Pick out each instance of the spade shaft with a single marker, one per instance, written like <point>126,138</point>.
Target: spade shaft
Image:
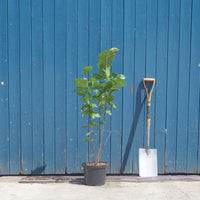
<point>149,94</point>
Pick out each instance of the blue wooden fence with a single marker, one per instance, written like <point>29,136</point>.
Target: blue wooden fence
<point>43,46</point>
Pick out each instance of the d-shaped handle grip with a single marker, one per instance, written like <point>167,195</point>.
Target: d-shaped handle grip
<point>144,83</point>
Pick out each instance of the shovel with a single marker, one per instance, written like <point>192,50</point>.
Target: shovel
<point>148,157</point>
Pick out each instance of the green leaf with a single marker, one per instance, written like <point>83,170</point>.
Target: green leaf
<point>91,155</point>
<point>98,85</point>
<point>115,90</point>
<point>85,126</point>
<point>81,93</point>
<point>88,134</point>
<point>102,122</point>
<point>110,98</point>
<point>93,80</point>
<point>113,105</point>
<point>76,81</point>
<point>96,91</point>
<point>81,82</point>
<point>93,123</point>
<point>85,112</point>
<point>114,75</point>
<point>121,76</point>
<point>114,50</point>
<point>95,115</point>
<point>108,112</point>
<point>98,76</point>
<point>84,106</point>
<point>76,89</point>
<point>93,105</point>
<point>119,83</point>
<point>86,139</point>
<point>105,61</point>
<point>87,69</point>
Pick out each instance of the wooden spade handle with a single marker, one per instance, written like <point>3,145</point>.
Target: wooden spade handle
<point>148,98</point>
<point>144,83</point>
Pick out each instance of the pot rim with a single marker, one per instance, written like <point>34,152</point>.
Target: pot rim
<point>92,164</point>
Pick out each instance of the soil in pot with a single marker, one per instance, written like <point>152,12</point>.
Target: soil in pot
<point>95,174</point>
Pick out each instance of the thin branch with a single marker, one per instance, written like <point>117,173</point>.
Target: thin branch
<point>105,143</point>
<point>91,137</point>
<point>101,139</point>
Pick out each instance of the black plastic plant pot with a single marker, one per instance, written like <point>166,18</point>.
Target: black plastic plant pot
<point>95,174</point>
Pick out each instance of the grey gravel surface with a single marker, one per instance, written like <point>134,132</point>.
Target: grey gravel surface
<point>116,187</point>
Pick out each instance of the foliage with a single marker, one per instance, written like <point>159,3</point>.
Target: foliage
<point>96,92</point>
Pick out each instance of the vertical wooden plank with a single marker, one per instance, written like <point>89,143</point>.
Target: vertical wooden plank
<point>139,96</point>
<point>37,87</point>
<point>60,74</point>
<point>106,24</point>
<point>183,86</point>
<point>94,32</point>
<point>151,43</point>
<point>72,123</point>
<point>161,72</point>
<point>193,91</point>
<point>199,129</point>
<point>49,80</point>
<point>26,86</point>
<point>199,124</point>
<point>4,130</point>
<point>128,100</point>
<point>116,120</point>
<point>106,40</point>
<point>94,42</point>
<point>172,85</point>
<point>14,85</point>
<point>82,62</point>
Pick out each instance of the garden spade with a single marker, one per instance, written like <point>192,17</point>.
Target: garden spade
<point>148,157</point>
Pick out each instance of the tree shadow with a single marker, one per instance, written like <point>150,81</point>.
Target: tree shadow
<point>138,108</point>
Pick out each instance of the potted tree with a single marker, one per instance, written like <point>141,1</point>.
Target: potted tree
<point>96,92</point>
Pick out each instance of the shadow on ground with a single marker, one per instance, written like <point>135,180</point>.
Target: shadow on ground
<point>77,181</point>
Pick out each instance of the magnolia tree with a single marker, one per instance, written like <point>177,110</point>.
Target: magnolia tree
<point>96,90</point>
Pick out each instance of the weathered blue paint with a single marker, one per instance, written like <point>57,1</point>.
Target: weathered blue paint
<point>161,82</point>
<point>26,87</point>
<point>44,44</point>
<point>37,87</point>
<point>106,42</point>
<point>4,116</point>
<point>49,84</point>
<point>72,100</point>
<point>183,85</point>
<point>83,41</point>
<point>139,93</point>
<point>151,42</point>
<point>172,74</point>
<point>128,91</point>
<point>116,119</point>
<point>60,85</point>
<point>14,85</point>
<point>193,109</point>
